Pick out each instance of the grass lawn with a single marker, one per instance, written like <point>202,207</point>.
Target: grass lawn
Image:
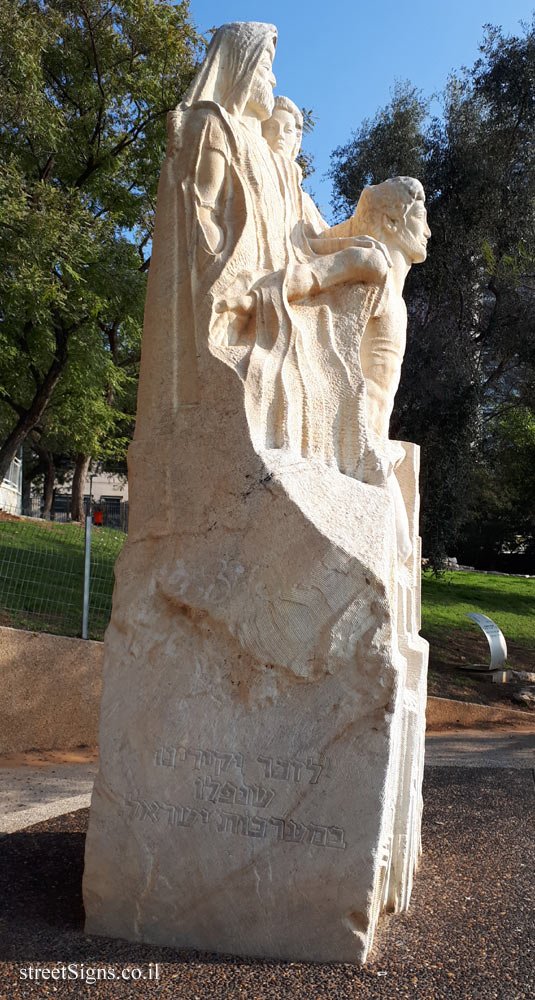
<point>455,641</point>
<point>41,576</point>
<point>41,585</point>
<point>508,600</point>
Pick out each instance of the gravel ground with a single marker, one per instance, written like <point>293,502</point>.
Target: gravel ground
<point>469,933</point>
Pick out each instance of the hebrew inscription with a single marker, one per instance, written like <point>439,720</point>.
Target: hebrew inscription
<point>217,779</point>
<point>229,794</point>
<point>290,770</point>
<point>218,759</point>
<point>176,815</point>
<point>240,824</point>
<point>276,768</point>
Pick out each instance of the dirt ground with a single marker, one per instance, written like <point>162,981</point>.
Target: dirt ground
<point>48,758</point>
<point>467,648</point>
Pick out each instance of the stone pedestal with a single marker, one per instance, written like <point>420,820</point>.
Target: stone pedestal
<point>262,723</point>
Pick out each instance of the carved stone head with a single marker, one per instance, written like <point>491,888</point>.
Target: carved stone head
<point>284,130</point>
<point>237,73</point>
<point>394,213</point>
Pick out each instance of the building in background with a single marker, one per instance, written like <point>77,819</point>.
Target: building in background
<point>109,494</point>
<point>106,487</point>
<point>110,499</point>
<point>11,487</point>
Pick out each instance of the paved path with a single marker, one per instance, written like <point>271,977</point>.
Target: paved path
<point>36,787</point>
<point>474,748</point>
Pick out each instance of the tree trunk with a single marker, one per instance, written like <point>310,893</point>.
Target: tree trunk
<point>46,462</point>
<point>30,418</point>
<point>50,475</point>
<point>80,472</point>
<point>26,499</point>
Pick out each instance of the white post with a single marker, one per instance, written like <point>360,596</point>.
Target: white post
<point>87,572</point>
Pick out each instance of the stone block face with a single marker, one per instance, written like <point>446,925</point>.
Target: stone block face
<point>259,745</point>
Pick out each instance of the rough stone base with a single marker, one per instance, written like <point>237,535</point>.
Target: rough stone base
<point>249,833</point>
<point>258,740</point>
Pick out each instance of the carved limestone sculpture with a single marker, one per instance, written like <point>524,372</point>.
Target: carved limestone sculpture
<point>283,132</point>
<point>262,721</point>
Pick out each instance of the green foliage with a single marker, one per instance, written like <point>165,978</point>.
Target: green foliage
<point>504,517</point>
<point>391,144</point>
<point>471,346</point>
<point>306,160</point>
<point>85,87</point>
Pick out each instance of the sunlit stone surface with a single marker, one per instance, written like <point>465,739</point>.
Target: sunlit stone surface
<point>264,688</point>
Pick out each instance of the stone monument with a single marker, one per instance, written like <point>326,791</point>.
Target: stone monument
<point>262,723</point>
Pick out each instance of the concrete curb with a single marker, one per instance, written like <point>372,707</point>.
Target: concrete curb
<point>467,714</point>
<point>51,687</point>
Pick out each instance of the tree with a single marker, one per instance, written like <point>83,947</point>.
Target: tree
<point>499,532</point>
<point>392,143</point>
<point>85,87</point>
<point>471,347</point>
<point>306,160</point>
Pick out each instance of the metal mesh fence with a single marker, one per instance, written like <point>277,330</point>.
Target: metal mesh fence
<point>106,513</point>
<point>106,544</point>
<point>42,575</point>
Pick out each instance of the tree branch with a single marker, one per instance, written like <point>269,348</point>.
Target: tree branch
<point>97,131</point>
<point>126,141</point>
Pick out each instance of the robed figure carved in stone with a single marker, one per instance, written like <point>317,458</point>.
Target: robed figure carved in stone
<point>237,218</point>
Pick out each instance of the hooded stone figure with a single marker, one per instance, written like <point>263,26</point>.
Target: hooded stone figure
<point>207,121</point>
<point>234,271</point>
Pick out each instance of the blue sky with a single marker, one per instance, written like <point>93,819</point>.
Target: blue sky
<point>342,57</point>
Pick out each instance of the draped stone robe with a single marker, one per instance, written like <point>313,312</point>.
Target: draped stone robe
<point>298,361</point>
